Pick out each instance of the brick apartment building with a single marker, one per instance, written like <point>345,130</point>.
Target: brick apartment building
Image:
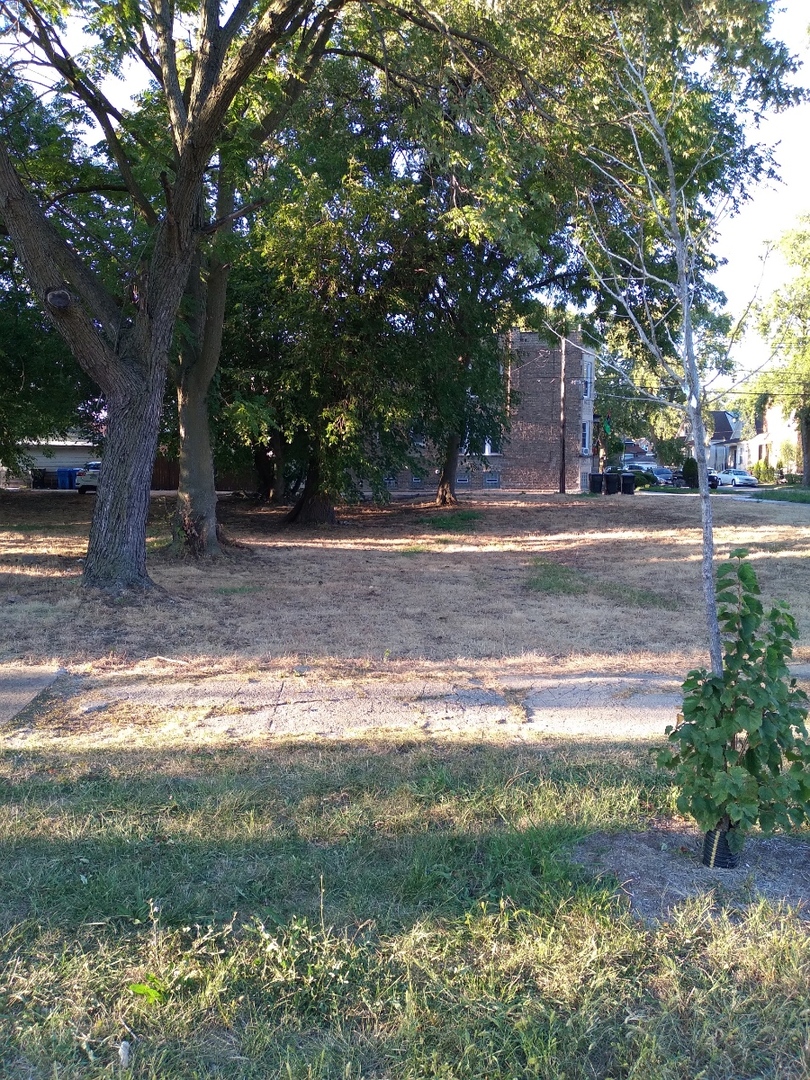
<point>550,432</point>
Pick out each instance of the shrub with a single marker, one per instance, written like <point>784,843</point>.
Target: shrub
<point>764,473</point>
<point>690,472</point>
<point>741,756</point>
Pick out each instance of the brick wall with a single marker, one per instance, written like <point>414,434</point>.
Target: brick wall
<point>531,457</point>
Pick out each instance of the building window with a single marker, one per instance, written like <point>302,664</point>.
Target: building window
<point>586,437</point>
<point>587,377</point>
<point>492,448</point>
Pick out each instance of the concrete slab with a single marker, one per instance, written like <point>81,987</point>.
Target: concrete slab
<point>20,684</point>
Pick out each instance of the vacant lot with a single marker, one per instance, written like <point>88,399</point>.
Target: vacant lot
<point>182,896</point>
<point>552,582</point>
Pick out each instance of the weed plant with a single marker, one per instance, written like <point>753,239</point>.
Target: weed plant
<point>333,910</point>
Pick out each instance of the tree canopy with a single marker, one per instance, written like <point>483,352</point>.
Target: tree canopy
<point>505,101</point>
<point>785,323</point>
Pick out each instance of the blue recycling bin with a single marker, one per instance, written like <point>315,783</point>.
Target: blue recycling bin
<point>63,479</point>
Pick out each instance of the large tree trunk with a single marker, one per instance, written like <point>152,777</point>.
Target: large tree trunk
<point>116,554</point>
<point>315,505</point>
<point>123,340</point>
<point>446,491</point>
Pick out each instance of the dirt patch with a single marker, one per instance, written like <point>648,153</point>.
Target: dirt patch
<point>660,868</point>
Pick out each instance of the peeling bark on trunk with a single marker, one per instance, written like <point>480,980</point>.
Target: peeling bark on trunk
<point>446,491</point>
<point>315,506</point>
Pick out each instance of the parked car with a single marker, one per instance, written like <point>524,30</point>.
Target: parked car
<point>736,478</point>
<point>714,479</point>
<point>632,467</point>
<point>662,474</point>
<point>87,477</point>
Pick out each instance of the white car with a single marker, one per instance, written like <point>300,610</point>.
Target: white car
<point>737,478</point>
<point>87,478</point>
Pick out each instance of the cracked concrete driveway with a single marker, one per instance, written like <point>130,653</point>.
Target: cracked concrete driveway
<point>20,684</point>
<point>260,705</point>
<point>250,706</point>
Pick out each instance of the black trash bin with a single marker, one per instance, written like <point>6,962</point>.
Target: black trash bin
<point>613,482</point>
<point>628,483</point>
<point>596,483</point>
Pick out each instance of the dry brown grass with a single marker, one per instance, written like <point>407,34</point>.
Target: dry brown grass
<point>389,590</point>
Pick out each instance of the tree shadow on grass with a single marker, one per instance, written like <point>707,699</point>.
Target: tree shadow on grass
<point>371,909</point>
<point>383,832</point>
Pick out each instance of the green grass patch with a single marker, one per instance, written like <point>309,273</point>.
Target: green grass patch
<point>558,580</point>
<point>783,494</point>
<point>632,597</point>
<point>551,577</point>
<point>455,521</point>
<point>414,549</point>
<point>400,910</point>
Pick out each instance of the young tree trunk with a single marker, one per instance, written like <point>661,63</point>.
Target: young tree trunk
<point>693,411</point>
<point>278,447</point>
<point>195,522</point>
<point>315,506</point>
<point>268,461</point>
<point>195,518</point>
<point>804,442</point>
<point>265,468</point>
<point>446,491</point>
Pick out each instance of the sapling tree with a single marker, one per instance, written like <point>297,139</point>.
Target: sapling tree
<point>673,157</point>
<point>741,754</point>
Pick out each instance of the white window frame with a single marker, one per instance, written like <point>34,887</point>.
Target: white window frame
<point>587,376</point>
<point>585,438</point>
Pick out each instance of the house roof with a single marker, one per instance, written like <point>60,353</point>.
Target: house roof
<point>726,428</point>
